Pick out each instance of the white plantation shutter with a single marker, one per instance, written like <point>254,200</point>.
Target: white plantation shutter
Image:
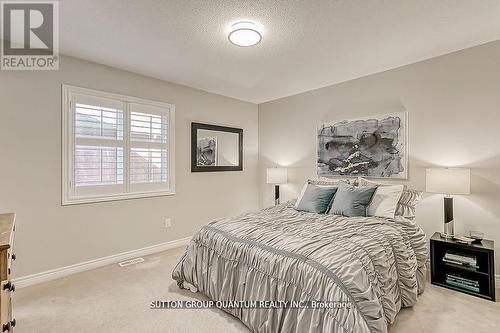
<point>115,146</point>
<point>148,161</point>
<point>98,132</point>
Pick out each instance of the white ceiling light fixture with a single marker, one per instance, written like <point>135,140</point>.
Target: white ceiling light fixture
<point>244,33</point>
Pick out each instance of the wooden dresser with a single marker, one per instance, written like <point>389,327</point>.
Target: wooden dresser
<point>7,256</point>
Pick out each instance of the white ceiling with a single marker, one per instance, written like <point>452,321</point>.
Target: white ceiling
<point>306,44</point>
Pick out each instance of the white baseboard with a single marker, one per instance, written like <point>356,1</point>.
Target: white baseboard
<point>57,273</point>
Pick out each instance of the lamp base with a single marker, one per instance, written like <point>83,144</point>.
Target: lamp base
<point>449,225</point>
<point>449,230</point>
<point>446,236</point>
<point>276,195</point>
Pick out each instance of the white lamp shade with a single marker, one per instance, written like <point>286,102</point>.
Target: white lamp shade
<point>448,180</point>
<point>277,175</point>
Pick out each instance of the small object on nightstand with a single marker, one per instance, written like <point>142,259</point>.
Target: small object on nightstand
<point>467,268</point>
<point>477,235</point>
<point>463,239</point>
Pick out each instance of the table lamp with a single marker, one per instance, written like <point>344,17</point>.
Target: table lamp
<point>277,176</point>
<point>448,181</point>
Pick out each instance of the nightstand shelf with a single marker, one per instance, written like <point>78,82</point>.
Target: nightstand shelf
<point>483,276</point>
<point>465,269</point>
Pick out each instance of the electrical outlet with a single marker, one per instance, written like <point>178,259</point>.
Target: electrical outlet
<point>168,222</point>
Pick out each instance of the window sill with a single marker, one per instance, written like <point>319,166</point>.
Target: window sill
<point>126,196</point>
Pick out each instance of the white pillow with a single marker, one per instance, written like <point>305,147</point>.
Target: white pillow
<point>301,195</point>
<point>385,201</point>
<point>408,201</point>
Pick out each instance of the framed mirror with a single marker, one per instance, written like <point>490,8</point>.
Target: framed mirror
<point>216,148</point>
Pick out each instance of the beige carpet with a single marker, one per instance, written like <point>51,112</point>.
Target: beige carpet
<point>115,299</point>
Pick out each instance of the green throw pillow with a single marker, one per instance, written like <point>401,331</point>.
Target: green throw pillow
<point>316,199</point>
<point>351,200</point>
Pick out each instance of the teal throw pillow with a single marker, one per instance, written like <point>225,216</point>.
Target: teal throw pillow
<point>352,200</point>
<point>316,199</point>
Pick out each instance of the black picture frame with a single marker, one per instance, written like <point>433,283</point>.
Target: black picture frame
<point>194,139</point>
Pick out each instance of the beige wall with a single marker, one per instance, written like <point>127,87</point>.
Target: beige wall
<point>52,236</point>
<point>453,104</point>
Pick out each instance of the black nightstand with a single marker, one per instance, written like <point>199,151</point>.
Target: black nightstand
<point>477,280</point>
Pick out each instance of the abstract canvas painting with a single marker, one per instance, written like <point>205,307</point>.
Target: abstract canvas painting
<point>207,151</point>
<point>369,147</point>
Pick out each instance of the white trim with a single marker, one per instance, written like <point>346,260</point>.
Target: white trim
<point>497,281</point>
<point>65,143</point>
<point>115,197</point>
<point>61,272</point>
<point>69,194</point>
<point>102,94</point>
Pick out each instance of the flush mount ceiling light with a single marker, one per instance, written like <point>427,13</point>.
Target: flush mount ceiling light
<point>244,33</point>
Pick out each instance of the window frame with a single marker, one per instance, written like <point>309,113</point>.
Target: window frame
<point>69,197</point>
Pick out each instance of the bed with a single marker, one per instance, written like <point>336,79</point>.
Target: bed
<point>375,265</point>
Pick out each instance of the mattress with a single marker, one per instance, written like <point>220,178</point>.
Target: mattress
<point>374,266</point>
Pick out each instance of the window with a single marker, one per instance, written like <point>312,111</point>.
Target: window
<point>115,147</point>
